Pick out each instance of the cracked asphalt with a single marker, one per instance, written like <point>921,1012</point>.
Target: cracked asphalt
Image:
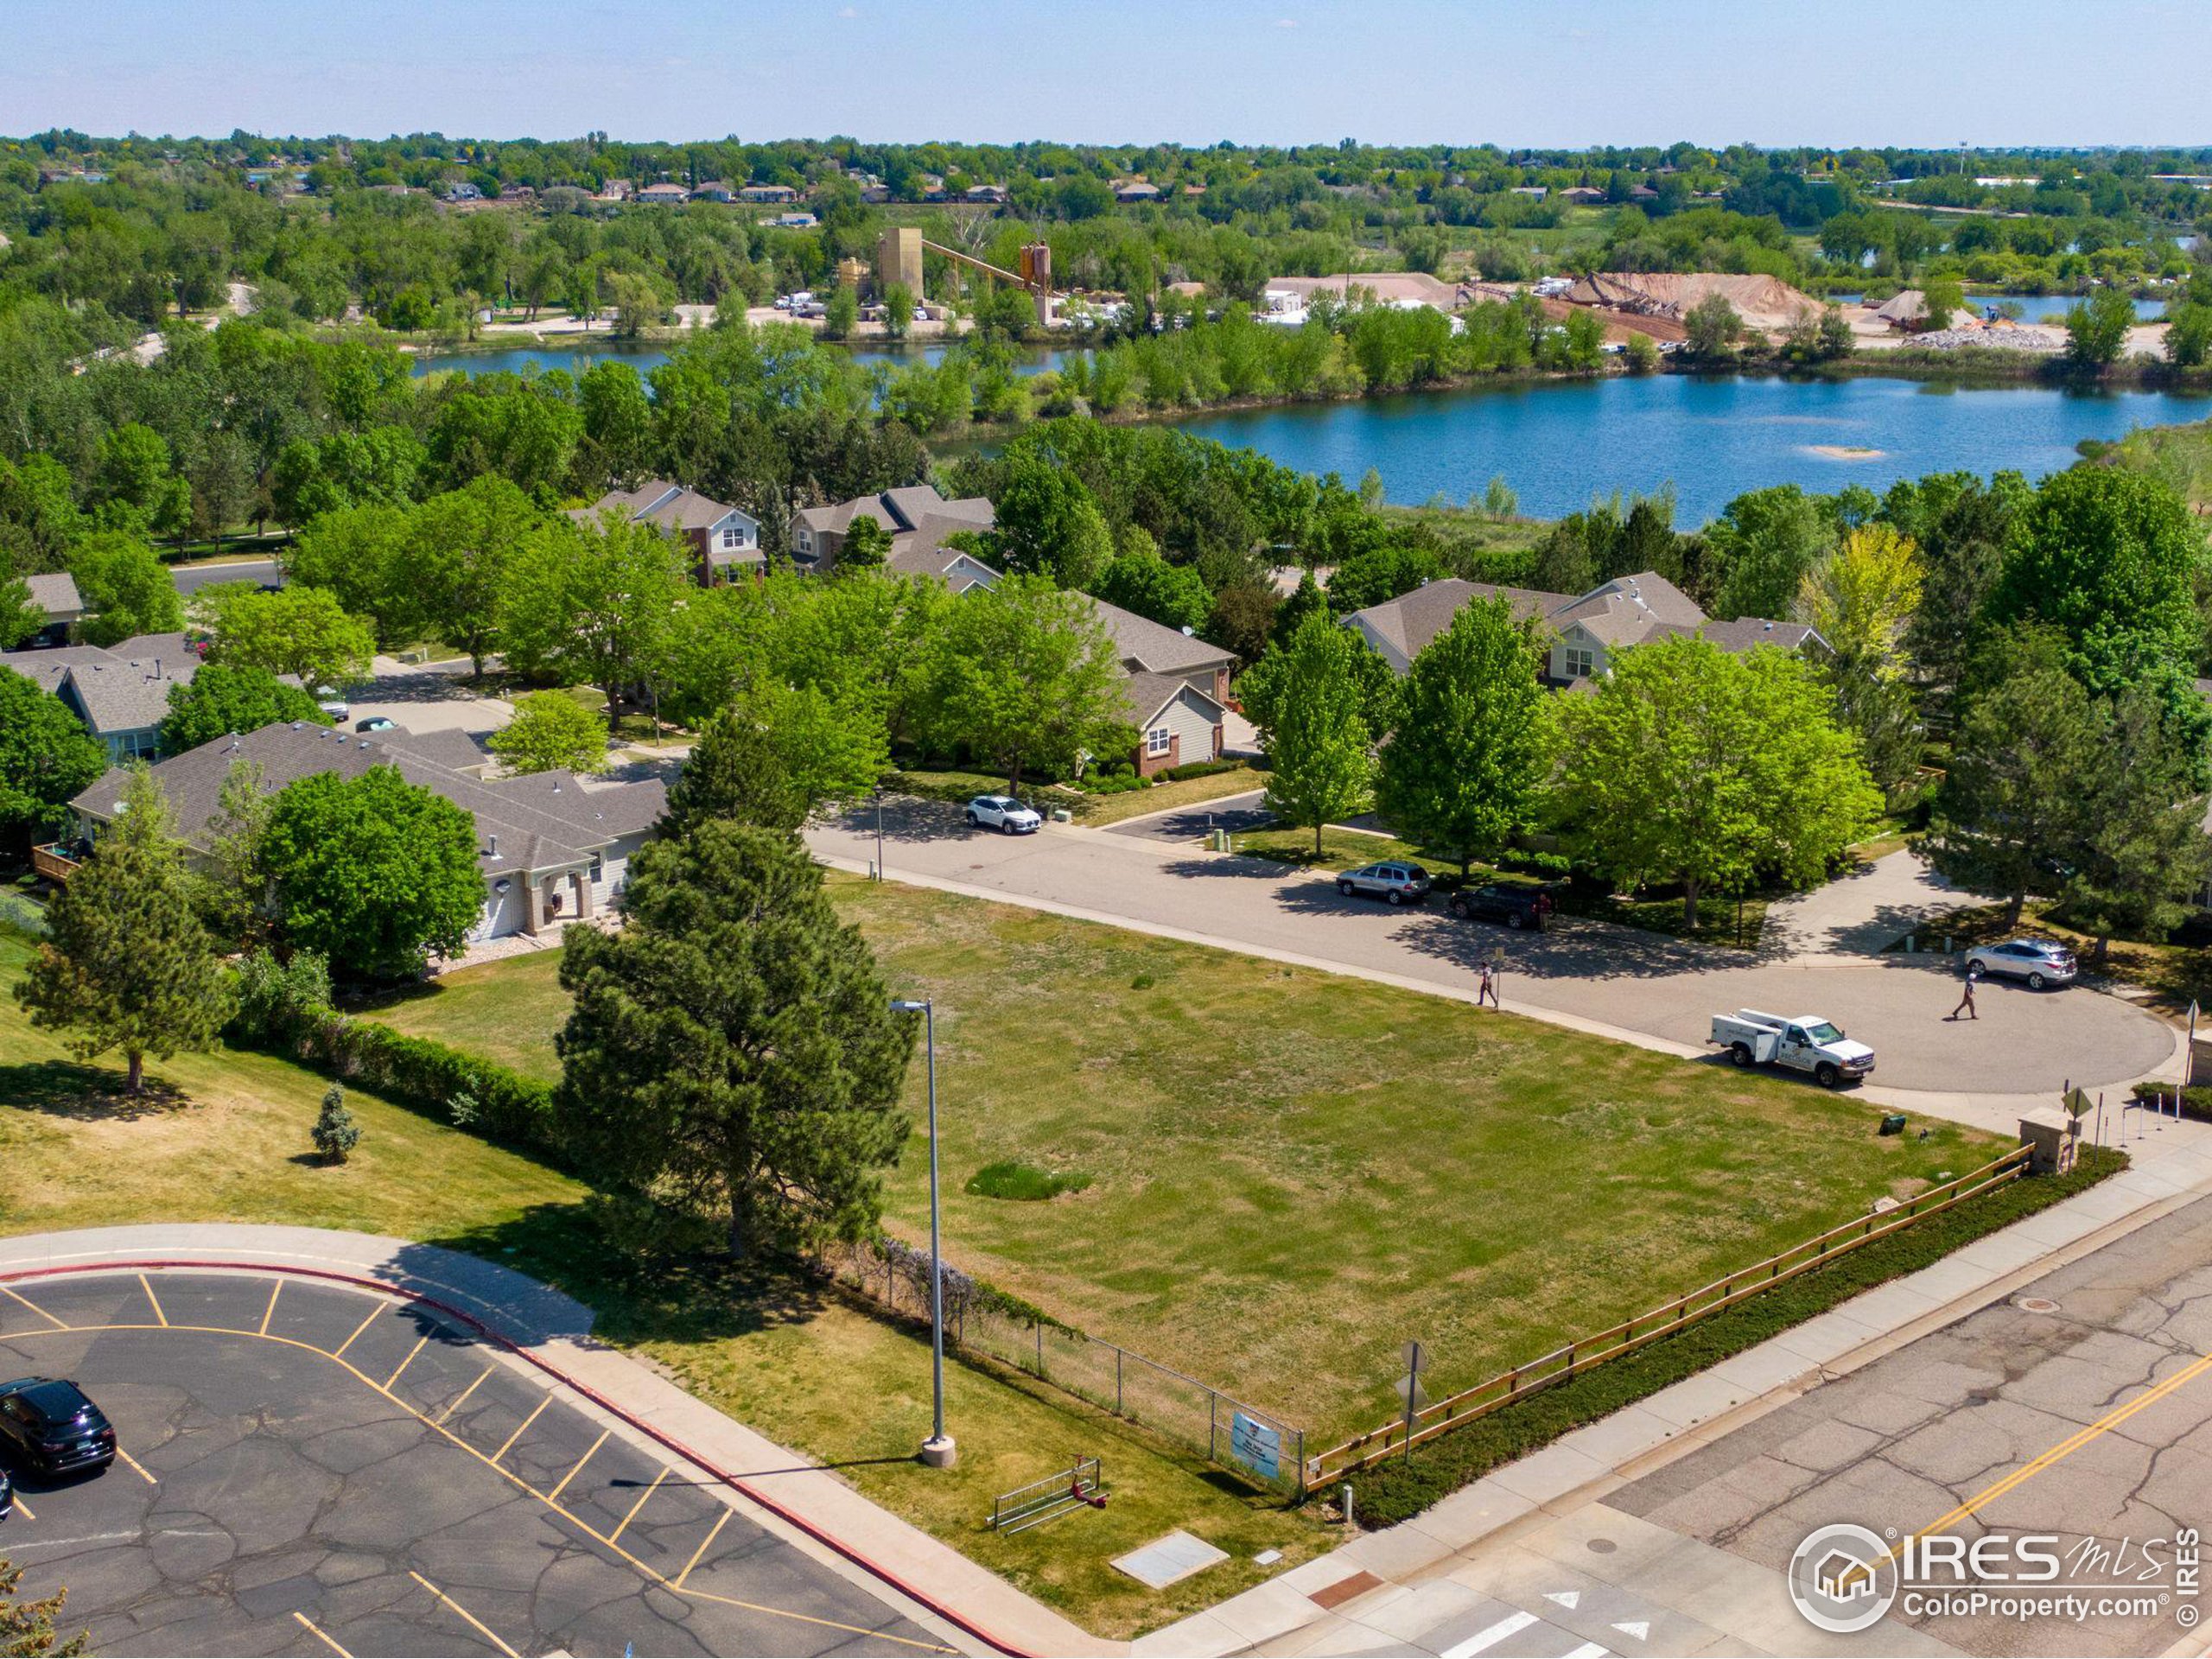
<point>314,1470</point>
<point>2031,1416</point>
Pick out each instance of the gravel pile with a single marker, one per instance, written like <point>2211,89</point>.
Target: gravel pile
<point>2027,338</point>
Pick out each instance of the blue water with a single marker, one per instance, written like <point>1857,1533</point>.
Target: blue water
<point>1560,444</point>
<point>2053,307</point>
<point>576,358</point>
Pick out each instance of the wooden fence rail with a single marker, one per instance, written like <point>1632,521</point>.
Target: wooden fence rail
<point>1596,1348</point>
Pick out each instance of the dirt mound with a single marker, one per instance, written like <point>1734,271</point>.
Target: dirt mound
<point>1766,304</point>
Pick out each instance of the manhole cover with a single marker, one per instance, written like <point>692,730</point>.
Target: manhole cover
<point>1602,1546</point>
<point>2035,1305</point>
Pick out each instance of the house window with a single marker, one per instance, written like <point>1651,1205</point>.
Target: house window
<point>733,537</point>
<point>596,866</point>
<point>1157,740</point>
<point>1581,662</point>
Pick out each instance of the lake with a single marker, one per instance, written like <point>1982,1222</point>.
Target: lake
<point>1561,443</point>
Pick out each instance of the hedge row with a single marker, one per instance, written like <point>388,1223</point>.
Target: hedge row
<point>2195,1103</point>
<point>1402,1487</point>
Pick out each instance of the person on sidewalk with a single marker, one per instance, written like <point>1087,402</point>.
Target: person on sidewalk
<point>1965,1000</point>
<point>1487,991</point>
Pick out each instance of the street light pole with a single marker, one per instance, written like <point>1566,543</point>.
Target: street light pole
<point>879,832</point>
<point>938,1450</point>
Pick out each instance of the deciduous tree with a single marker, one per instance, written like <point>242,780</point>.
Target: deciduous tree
<point>732,1048</point>
<point>1320,750</point>
<point>222,697</point>
<point>299,631</point>
<point>1860,599</point>
<point>126,964</point>
<point>127,590</point>
<point>552,731</point>
<point>46,757</point>
<point>591,604</point>
<point>1027,678</point>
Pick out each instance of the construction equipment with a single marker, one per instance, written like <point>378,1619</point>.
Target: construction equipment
<point>899,260</point>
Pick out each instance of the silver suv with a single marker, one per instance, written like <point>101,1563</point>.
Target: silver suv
<point>1392,882</point>
<point>1004,813</point>
<point>2039,962</point>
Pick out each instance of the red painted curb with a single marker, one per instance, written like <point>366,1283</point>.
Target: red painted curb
<point>665,1441</point>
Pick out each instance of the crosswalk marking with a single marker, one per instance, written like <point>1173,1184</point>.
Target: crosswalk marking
<point>1483,1640</point>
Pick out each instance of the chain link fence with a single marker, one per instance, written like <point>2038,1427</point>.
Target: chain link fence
<point>1257,1444</point>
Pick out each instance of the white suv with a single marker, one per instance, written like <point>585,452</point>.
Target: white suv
<point>1003,813</point>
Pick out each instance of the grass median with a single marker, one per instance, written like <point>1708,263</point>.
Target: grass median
<point>1289,1174</point>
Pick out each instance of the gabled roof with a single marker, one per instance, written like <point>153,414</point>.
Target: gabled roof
<point>1143,696</point>
<point>672,506</point>
<point>1626,609</point>
<point>121,688</point>
<point>1745,632</point>
<point>56,595</point>
<point>538,821</point>
<point>1146,647</point>
<point>901,511</point>
<point>1410,621</point>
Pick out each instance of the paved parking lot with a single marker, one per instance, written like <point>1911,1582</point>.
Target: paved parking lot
<point>314,1470</point>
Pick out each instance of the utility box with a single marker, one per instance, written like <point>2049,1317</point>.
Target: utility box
<point>2054,1139</point>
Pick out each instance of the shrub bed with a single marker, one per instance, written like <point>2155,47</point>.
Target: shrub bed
<point>2195,1103</point>
<point>1404,1487</point>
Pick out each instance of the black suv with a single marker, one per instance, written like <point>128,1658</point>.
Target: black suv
<point>54,1427</point>
<point>1516,907</point>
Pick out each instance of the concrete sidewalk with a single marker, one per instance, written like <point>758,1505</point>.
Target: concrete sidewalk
<point>1308,1609</point>
<point>556,1329</point>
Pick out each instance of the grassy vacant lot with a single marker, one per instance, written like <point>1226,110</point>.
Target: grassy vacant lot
<point>1291,1173</point>
<point>226,1139</point>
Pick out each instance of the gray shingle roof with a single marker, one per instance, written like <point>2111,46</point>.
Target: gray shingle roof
<point>1146,647</point>
<point>539,822</point>
<point>55,593</point>
<point>122,688</point>
<point>672,506</point>
<point>1410,621</point>
<point>1144,696</point>
<point>1628,608</point>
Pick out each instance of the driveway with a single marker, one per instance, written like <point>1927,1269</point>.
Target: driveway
<point>435,697</point>
<point>1617,982</point>
<point>1863,912</point>
<point>1189,825</point>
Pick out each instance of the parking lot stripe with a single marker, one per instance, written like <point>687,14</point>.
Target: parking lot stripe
<point>357,1329</point>
<point>578,1470</point>
<point>138,1465</point>
<point>404,1364</point>
<point>525,1423</point>
<point>643,1571</point>
<point>154,1300</point>
<point>35,1308</point>
<point>480,1628</point>
<point>265,1314</point>
<point>713,1532</point>
<point>640,1504</point>
<point>321,1634</point>
<point>2067,1447</point>
<point>440,1419</point>
<point>25,1508</point>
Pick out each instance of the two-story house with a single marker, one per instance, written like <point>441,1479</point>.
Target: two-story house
<point>725,540</point>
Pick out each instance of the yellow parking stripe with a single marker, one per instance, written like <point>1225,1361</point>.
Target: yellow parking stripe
<point>713,1532</point>
<point>465,1393</point>
<point>154,1300</point>
<point>138,1465</point>
<point>35,1308</point>
<point>480,1628</point>
<point>649,1574</point>
<point>640,1504</point>
<point>263,1332</point>
<point>317,1630</point>
<point>357,1329</point>
<point>584,1459</point>
<point>525,1423</point>
<point>404,1364</point>
<point>23,1509</point>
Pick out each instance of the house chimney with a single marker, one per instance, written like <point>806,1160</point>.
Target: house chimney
<point>495,846</point>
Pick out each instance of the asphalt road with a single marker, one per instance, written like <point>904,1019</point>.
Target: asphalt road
<point>313,1470</point>
<point>2031,1412</point>
<point>2025,1043</point>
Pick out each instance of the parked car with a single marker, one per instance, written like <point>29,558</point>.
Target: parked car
<point>1004,813</point>
<point>1516,907</point>
<point>1393,883</point>
<point>54,1427</point>
<point>1807,1043</point>
<point>7,1495</point>
<point>2039,962</point>
<point>376,723</point>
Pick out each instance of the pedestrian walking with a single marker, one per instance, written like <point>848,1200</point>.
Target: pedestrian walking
<point>1487,991</point>
<point>1965,1000</point>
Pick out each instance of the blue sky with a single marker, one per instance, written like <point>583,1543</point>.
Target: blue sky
<point>1713,71</point>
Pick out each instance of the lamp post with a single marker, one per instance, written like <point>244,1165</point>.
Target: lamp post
<point>879,832</point>
<point>938,1450</point>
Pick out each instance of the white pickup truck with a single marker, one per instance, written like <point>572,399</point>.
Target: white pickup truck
<point>1807,1043</point>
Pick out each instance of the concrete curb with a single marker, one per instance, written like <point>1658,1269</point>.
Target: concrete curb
<point>549,1331</point>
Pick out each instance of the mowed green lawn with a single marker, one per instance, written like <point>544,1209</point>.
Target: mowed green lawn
<point>224,1137</point>
<point>1291,1173</point>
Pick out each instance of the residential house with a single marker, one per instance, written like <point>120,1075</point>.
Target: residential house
<point>994,195</point>
<point>664,192</point>
<point>1176,693</point>
<point>712,190</point>
<point>1534,192</point>
<point>1584,195</point>
<point>1136,190</point>
<point>760,193</point>
<point>1579,631</point>
<point>55,594</point>
<point>552,848</point>
<point>794,221</point>
<point>919,520</point>
<point>121,692</point>
<point>464,191</point>
<point>724,541</point>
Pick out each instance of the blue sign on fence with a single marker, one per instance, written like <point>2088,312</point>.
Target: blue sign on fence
<point>1255,1444</point>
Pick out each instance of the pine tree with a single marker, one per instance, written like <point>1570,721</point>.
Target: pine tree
<point>733,1045</point>
<point>127,964</point>
<point>736,770</point>
<point>1468,750</point>
<point>335,1132</point>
